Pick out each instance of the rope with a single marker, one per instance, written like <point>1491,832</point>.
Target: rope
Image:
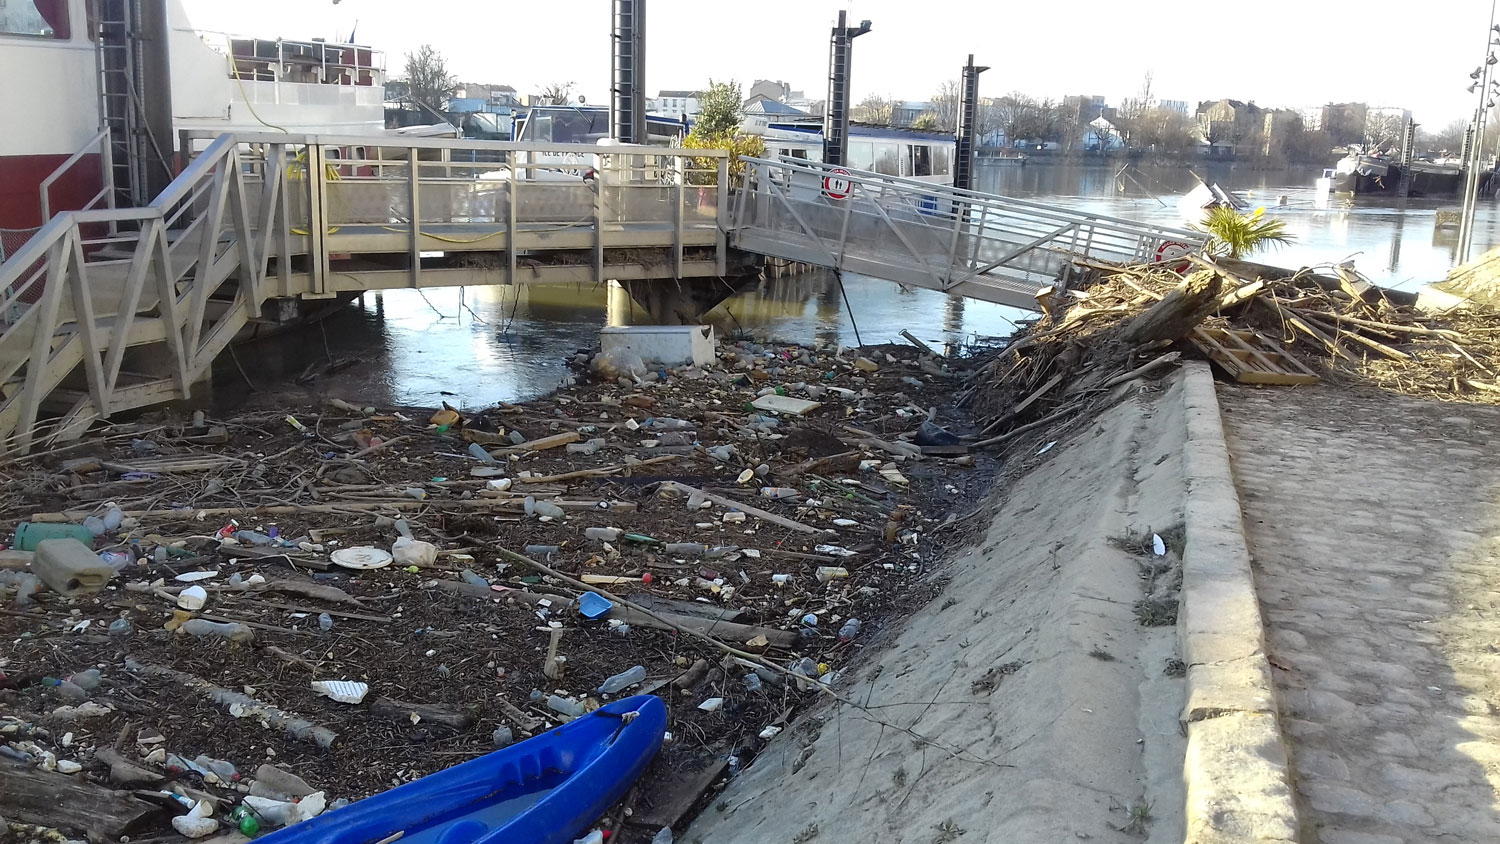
<point>839,274</point>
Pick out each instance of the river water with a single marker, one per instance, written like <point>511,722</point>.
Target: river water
<point>473,347</point>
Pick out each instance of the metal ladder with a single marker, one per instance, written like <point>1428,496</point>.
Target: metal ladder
<point>117,36</point>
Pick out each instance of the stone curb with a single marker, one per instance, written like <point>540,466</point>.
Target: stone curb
<point>1236,771</point>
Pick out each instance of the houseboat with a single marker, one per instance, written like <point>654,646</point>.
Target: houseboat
<point>218,83</point>
<point>907,153</point>
<point>1374,173</point>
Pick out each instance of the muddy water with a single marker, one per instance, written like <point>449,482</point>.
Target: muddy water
<point>477,346</point>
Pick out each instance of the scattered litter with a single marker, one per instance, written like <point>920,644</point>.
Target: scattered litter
<point>343,691</point>
<point>361,557</point>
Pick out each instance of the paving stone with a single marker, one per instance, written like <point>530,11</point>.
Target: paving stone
<point>1379,581</point>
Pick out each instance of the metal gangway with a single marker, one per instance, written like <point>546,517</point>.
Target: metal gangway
<point>921,234</point>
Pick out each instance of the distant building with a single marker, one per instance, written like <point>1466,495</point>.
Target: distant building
<point>1102,135</point>
<point>906,112</point>
<point>495,99</point>
<point>675,104</point>
<point>1230,127</point>
<point>1345,122</point>
<point>765,89</point>
<point>1181,107</point>
<point>760,114</point>
<point>1312,118</point>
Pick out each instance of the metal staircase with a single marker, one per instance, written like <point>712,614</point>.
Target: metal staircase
<point>961,242</point>
<point>101,333</point>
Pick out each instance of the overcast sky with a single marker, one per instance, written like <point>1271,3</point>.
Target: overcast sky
<point>1294,53</point>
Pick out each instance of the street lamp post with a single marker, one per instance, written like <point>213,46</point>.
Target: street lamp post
<point>1486,86</point>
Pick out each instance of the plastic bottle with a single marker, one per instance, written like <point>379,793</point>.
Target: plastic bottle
<point>122,628</point>
<point>28,534</point>
<point>254,537</point>
<point>473,579</point>
<point>752,682</point>
<point>478,452</point>
<point>603,534</point>
<point>830,573</point>
<point>112,518</point>
<point>416,492</point>
<point>849,630</point>
<point>233,631</point>
<point>663,836</point>
<point>624,680</point>
<point>543,552</point>
<point>116,560</point>
<point>778,492</point>
<point>87,680</point>
<point>570,708</point>
<point>94,525</point>
<point>686,549</point>
<point>325,622</point>
<point>545,509</point>
<point>503,737</point>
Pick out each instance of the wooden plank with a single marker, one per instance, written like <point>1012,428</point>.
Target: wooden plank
<point>540,444</point>
<point>678,796</point>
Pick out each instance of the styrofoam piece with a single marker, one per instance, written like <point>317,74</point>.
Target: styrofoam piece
<point>666,345</point>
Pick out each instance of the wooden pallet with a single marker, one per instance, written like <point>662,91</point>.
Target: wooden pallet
<point>1252,358</point>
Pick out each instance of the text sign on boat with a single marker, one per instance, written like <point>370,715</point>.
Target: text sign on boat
<point>837,184</point>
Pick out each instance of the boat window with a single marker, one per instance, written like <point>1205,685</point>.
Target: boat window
<point>799,153</point>
<point>888,159</point>
<point>921,160</point>
<point>861,155</point>
<point>42,18</point>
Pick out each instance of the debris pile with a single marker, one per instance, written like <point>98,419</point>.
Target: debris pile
<point>1256,323</point>
<point>339,599</point>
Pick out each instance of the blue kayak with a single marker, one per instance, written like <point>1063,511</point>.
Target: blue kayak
<point>545,790</point>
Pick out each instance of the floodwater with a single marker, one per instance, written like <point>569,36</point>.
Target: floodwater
<point>476,346</point>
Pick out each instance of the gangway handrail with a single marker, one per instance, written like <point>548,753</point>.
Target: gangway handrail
<point>463,144</point>
<point>973,196</point>
<point>106,166</point>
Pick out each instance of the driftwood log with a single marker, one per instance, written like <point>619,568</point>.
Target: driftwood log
<point>1179,312</point>
<point>45,798</point>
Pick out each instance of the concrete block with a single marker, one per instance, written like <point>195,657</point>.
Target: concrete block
<point>663,345</point>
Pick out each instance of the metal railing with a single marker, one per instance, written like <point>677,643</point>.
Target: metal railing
<point>352,195</point>
<point>912,232</point>
<point>69,299</point>
<point>106,167</point>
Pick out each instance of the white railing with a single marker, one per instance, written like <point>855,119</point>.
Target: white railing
<point>913,232</point>
<point>106,193</point>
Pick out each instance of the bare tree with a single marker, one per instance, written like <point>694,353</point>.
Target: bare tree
<point>876,110</point>
<point>945,105</point>
<point>428,83</point>
<point>557,93</point>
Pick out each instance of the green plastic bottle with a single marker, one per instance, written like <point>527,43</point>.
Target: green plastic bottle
<point>29,534</point>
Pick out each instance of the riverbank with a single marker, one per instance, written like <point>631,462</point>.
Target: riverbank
<point>1035,697</point>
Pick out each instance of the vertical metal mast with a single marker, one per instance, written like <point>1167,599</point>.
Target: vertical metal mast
<point>968,119</point>
<point>836,116</point>
<point>627,106</point>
